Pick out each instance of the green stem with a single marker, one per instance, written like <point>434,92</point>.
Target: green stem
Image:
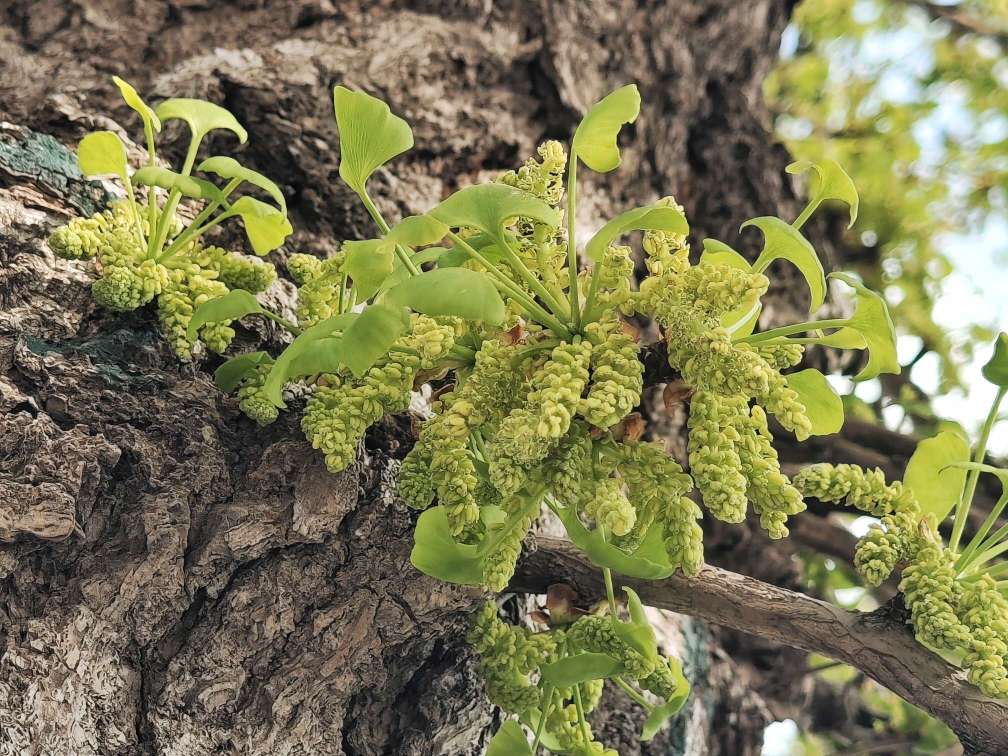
<point>540,728</point>
<point>758,338</point>
<point>582,722</point>
<point>521,269</point>
<point>572,256</point>
<point>589,305</point>
<point>152,211</point>
<point>988,523</point>
<point>283,322</point>
<point>342,294</point>
<point>628,689</point>
<point>806,213</point>
<point>967,562</point>
<point>379,220</point>
<point>195,230</point>
<point>462,353</point>
<point>175,248</point>
<point>962,507</point>
<point>164,222</point>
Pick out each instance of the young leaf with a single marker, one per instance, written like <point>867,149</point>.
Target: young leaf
<point>871,319</point>
<point>130,96</point>
<point>595,138</point>
<point>996,369</point>
<point>201,116</point>
<point>280,373</point>
<point>783,241</point>
<point>233,305</point>
<point>101,153</point>
<point>718,253</point>
<point>368,263</point>
<point>845,338</point>
<point>830,182</point>
<point>579,668</point>
<point>229,168</point>
<point>230,374</point>
<point>509,740</point>
<point>655,217</point>
<point>638,633</point>
<point>649,561</point>
<point>369,336</point>
<point>437,554</point>
<point>741,321</point>
<point>265,226</point>
<point>823,405</point>
<point>188,186</point>
<point>417,230</point>
<point>661,714</point>
<point>400,273</point>
<point>937,486</point>
<point>450,291</point>
<point>489,206</point>
<point>325,356</point>
<point>370,135</point>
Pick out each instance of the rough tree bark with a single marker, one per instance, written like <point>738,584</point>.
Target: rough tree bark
<point>176,581</point>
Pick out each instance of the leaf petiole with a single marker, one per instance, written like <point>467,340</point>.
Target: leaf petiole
<point>572,257</point>
<point>384,227</point>
<point>774,333</point>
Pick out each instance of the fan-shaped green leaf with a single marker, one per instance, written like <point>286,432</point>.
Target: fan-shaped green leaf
<point>489,206</point>
<point>370,135</point>
<point>649,561</point>
<point>595,138</point>
<point>368,263</point>
<point>823,405</point>
<point>229,168</point>
<point>230,374</point>
<point>417,230</point>
<point>996,368</point>
<point>437,554</point>
<point>871,319</point>
<point>466,293</point>
<point>201,116</point>
<point>784,242</point>
<point>509,740</point>
<point>579,668</point>
<point>369,336</point>
<point>101,153</point>
<point>188,186</point>
<point>135,101</point>
<point>936,485</point>
<point>830,182</point>
<point>655,217</point>
<point>233,305</point>
<point>265,226</point>
<point>325,356</point>
<point>845,338</point>
<point>718,253</point>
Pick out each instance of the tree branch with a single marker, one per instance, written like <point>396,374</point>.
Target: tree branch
<point>961,21</point>
<point>877,643</point>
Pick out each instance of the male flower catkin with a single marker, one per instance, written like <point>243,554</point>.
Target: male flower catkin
<point>714,461</point>
<point>983,609</point>
<point>616,381</point>
<point>932,594</point>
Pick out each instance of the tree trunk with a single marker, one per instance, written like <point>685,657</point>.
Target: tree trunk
<point>177,581</point>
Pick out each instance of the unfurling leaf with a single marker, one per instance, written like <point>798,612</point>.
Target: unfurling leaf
<point>823,405</point>
<point>438,554</point>
<point>230,374</point>
<point>187,186</point>
<point>996,369</point>
<point>265,226</point>
<point>101,153</point>
<point>368,263</point>
<point>369,336</point>
<point>830,182</point>
<point>509,740</point>
<point>871,319</point>
<point>579,668</point>
<point>135,101</point>
<point>201,116</point>
<point>229,168</point>
<point>784,242</point>
<point>649,561</point>
<point>466,293</point>
<point>655,217</point>
<point>370,135</point>
<point>233,305</point>
<point>489,207</point>
<point>595,138</point>
<point>937,486</point>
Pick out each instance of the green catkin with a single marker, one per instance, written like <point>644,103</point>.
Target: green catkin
<point>304,268</point>
<point>318,292</point>
<point>251,399</point>
<point>772,495</point>
<point>662,681</point>
<point>557,388</point>
<point>683,536</point>
<point>499,566</point>
<point>887,544</point>
<point>414,484</point>
<point>984,611</point>
<point>617,374</point>
<point>856,487</point>
<point>932,594</point>
<point>570,466</point>
<point>781,356</point>
<point>783,403</point>
<point>598,635</point>
<point>336,417</point>
<point>237,271</point>
<point>187,289</point>
<point>82,238</point>
<point>714,462</point>
<point>609,506</point>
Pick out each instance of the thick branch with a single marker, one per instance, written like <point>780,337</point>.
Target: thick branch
<point>877,643</point>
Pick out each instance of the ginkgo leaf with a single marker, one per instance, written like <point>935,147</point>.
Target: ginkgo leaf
<point>872,320</point>
<point>649,561</point>
<point>655,217</point>
<point>782,241</point>
<point>265,226</point>
<point>436,553</point>
<point>370,135</point>
<point>462,292</point>
<point>581,667</point>
<point>417,230</point>
<point>368,338</point>
<point>718,253</point>
<point>823,405</point>
<point>229,168</point>
<point>830,182</point>
<point>187,186</point>
<point>101,153</point>
<point>135,101</point>
<point>996,368</point>
<point>233,305</point>
<point>230,374</point>
<point>595,138</point>
<point>201,116</point>
<point>509,740</point>
<point>936,485</point>
<point>488,207</point>
<point>368,263</point>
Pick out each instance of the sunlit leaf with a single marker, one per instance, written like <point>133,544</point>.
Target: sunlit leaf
<point>417,230</point>
<point>996,368</point>
<point>937,486</point>
<point>844,338</point>
<point>265,226</point>
<point>718,253</point>
<point>201,116</point>
<point>579,668</point>
<point>233,305</point>
<point>509,740</point>
<point>188,186</point>
<point>595,138</point>
<point>229,168</point>
<point>823,405</point>
<point>370,135</point>
<point>101,153</point>
<point>830,182</point>
<point>871,319</point>
<point>135,101</point>
<point>438,554</point>
<point>649,561</point>
<point>783,242</point>
<point>466,293</point>
<point>489,207</point>
<point>368,263</point>
<point>368,338</point>
<point>230,374</point>
<point>655,217</point>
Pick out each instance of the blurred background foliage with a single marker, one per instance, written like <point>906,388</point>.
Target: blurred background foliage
<point>911,97</point>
